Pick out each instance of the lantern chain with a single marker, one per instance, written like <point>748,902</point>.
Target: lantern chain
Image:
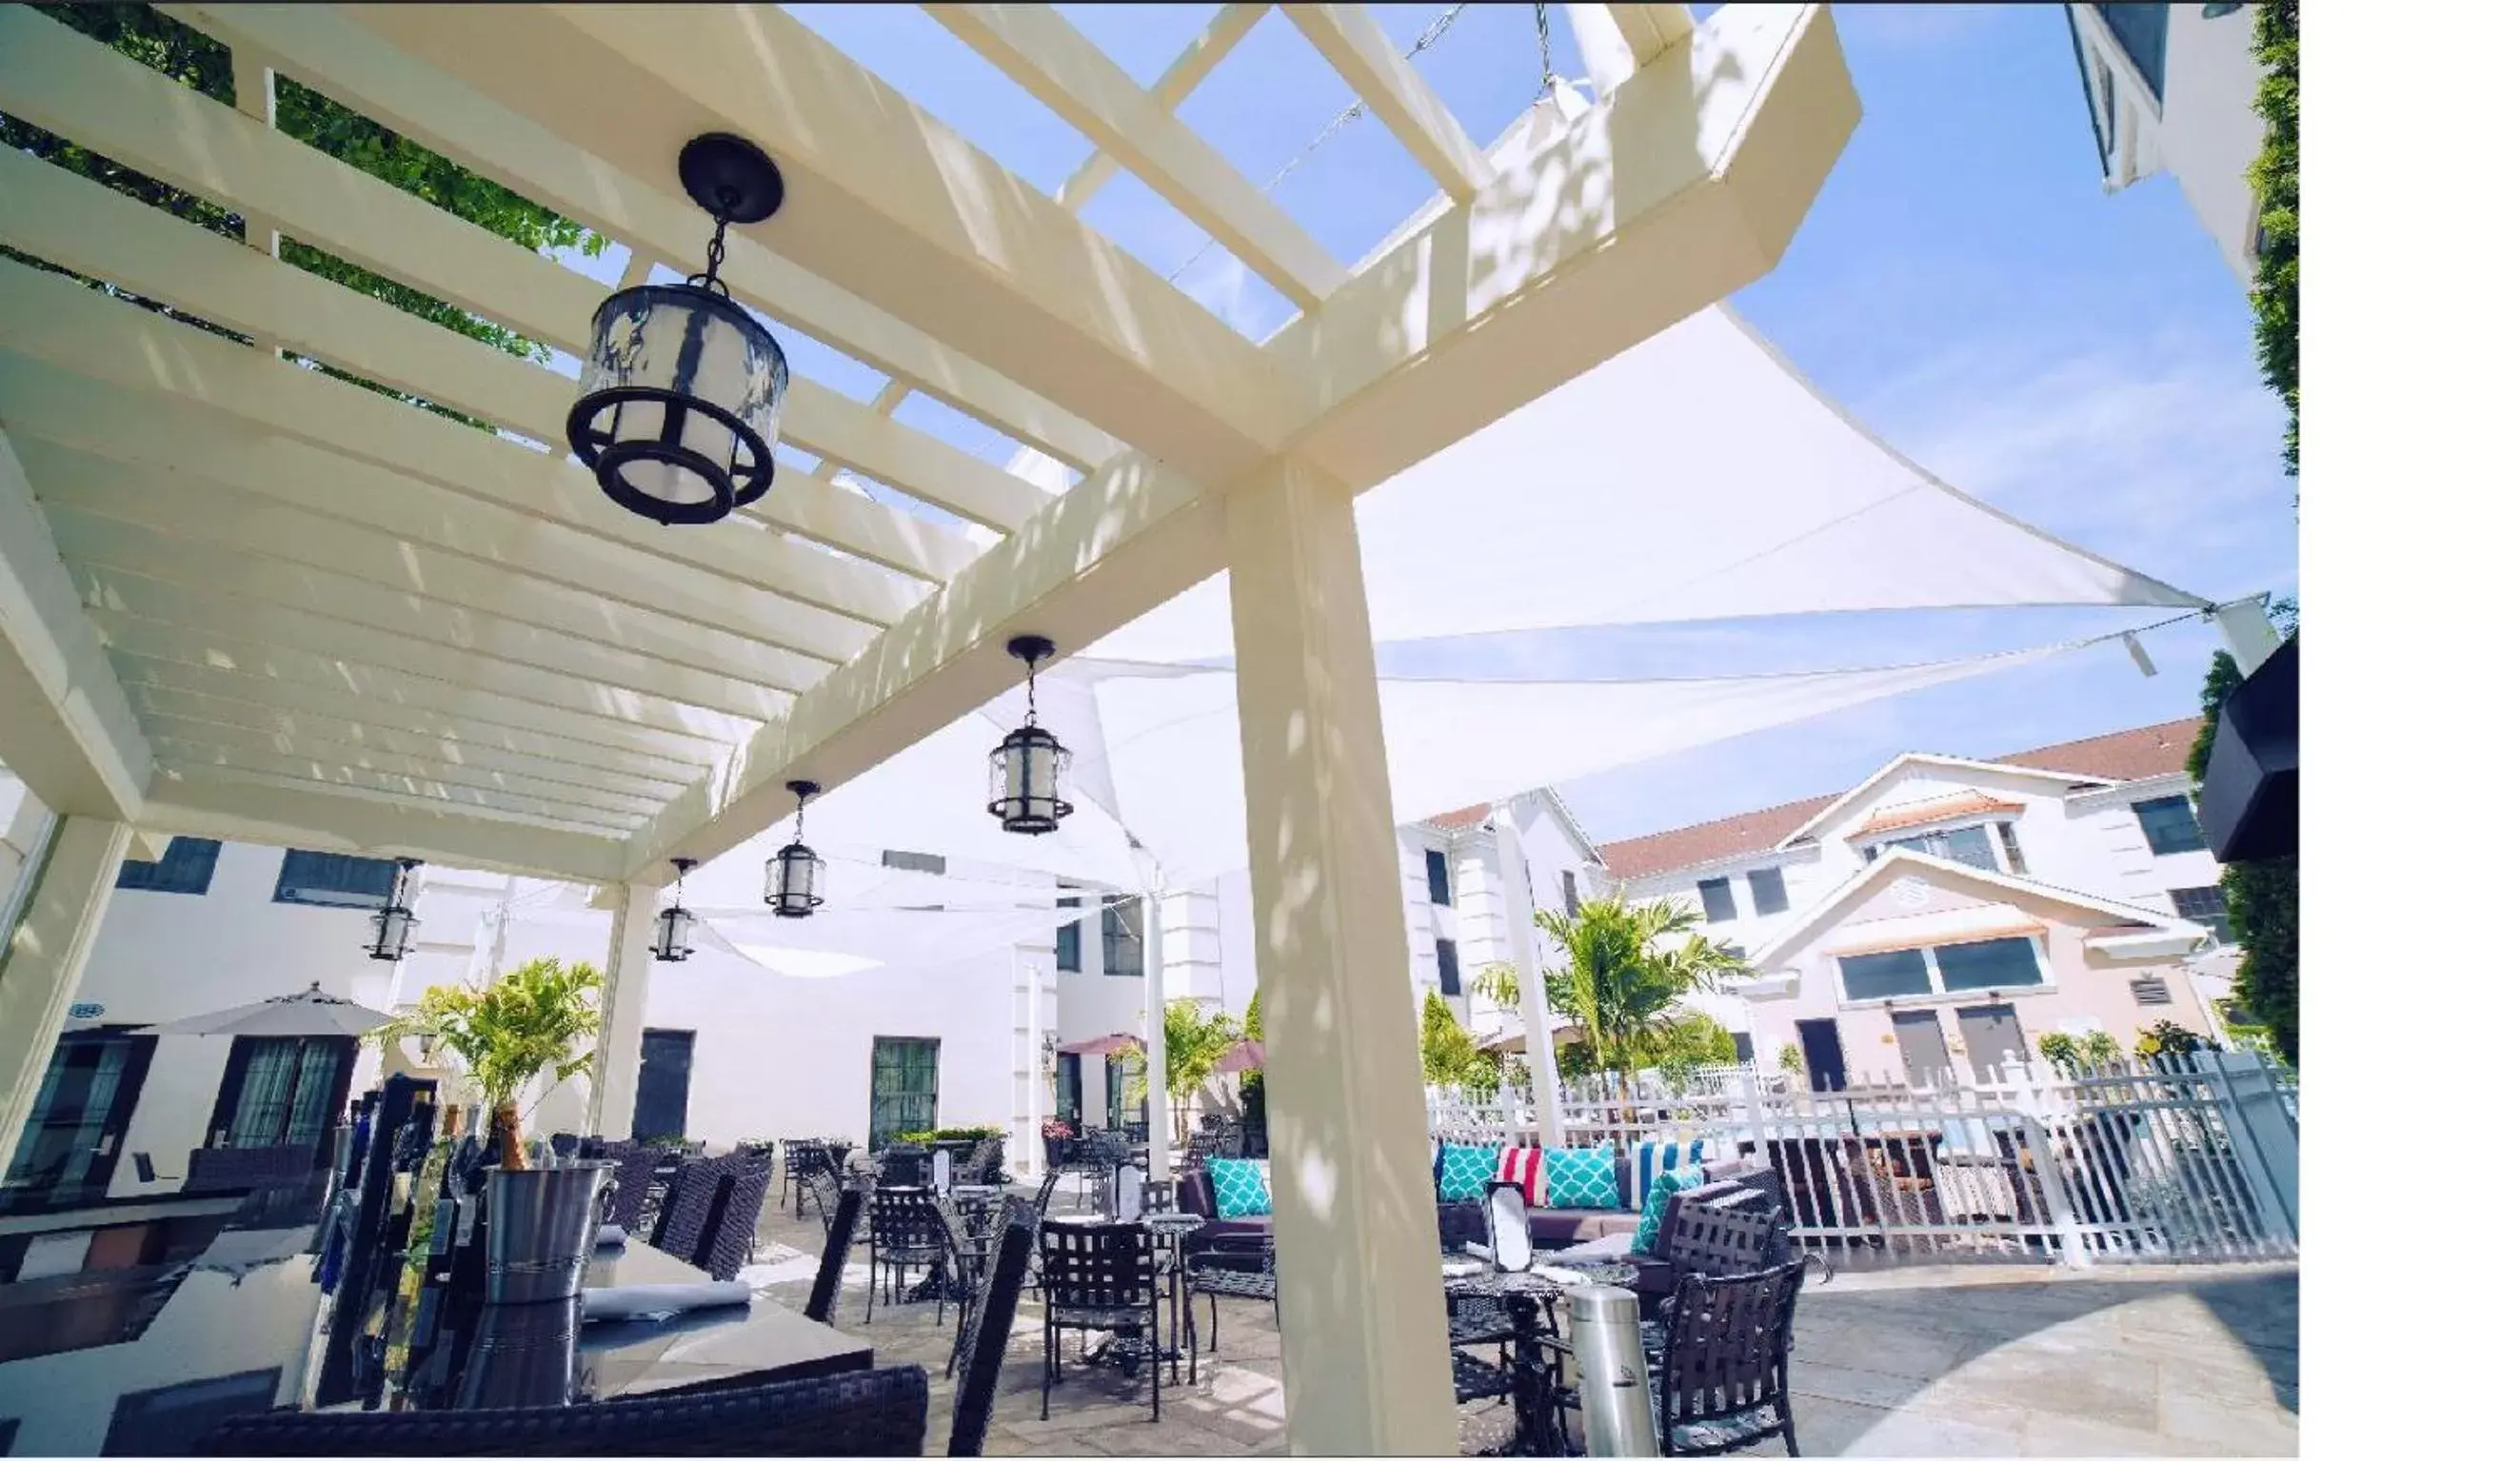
<point>707,277</point>
<point>1548,73</point>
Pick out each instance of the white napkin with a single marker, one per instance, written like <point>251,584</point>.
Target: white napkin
<point>610,1235</point>
<point>631,1301</point>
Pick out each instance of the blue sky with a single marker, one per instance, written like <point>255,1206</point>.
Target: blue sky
<point>1963,285</point>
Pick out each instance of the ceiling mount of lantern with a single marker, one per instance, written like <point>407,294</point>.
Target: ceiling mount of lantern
<point>392,926</point>
<point>674,925</point>
<point>792,881</point>
<point>1025,768</point>
<point>678,402</point>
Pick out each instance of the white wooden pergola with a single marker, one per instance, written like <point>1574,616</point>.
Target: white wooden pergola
<point>241,599</point>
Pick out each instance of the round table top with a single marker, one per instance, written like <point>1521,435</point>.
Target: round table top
<point>1175,1222</point>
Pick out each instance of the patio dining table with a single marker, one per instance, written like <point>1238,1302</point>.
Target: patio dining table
<point>1474,1292</point>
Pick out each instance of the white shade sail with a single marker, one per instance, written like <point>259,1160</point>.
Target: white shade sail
<point>1698,475</point>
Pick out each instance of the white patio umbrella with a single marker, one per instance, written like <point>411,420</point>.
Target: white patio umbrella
<point>1509,1039</point>
<point>310,1012</point>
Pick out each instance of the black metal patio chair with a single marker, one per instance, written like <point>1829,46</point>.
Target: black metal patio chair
<point>1721,1384</point>
<point>904,1233</point>
<point>1100,1277</point>
<point>981,1351</point>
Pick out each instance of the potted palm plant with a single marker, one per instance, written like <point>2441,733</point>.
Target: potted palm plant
<point>540,1018</point>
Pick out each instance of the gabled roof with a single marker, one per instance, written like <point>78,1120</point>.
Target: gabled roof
<point>1899,862</point>
<point>1467,819</point>
<point>2119,755</point>
<point>1939,809</point>
<point>1923,758</point>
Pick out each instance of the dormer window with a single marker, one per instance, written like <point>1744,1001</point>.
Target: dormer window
<point>1971,845</point>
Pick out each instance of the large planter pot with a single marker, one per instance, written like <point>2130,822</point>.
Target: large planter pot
<point>541,1225</point>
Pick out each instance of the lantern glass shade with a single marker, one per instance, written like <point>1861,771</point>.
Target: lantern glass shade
<point>394,924</point>
<point>792,884</point>
<point>674,934</point>
<point>1023,782</point>
<point>678,403</point>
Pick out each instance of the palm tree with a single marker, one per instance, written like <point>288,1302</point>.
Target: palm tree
<point>1618,986</point>
<point>1194,1040</point>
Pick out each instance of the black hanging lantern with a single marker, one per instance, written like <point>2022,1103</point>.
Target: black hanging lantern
<point>674,925</point>
<point>1025,768</point>
<point>678,403</point>
<point>392,923</point>
<point>794,884</point>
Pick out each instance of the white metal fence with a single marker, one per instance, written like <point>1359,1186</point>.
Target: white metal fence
<point>2193,1157</point>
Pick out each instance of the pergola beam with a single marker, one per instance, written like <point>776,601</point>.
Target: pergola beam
<point>1041,53</point>
<point>882,198</point>
<point>1196,62</point>
<point>65,729</point>
<point>50,318</point>
<point>129,439</point>
<point>236,806</point>
<point>327,773</point>
<point>1354,43</point>
<point>592,805</point>
<point>332,53</point>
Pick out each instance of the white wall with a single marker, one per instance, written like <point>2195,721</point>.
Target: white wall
<point>2204,130</point>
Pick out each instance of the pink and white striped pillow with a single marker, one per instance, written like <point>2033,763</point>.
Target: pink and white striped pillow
<point>1522,1167</point>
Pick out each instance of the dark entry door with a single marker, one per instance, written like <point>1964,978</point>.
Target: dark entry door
<point>1921,1046</point>
<point>905,1089</point>
<point>1991,1032</point>
<point>281,1092</point>
<point>74,1130</point>
<point>664,1099</point>
<point>1823,1059</point>
<point>1071,1090</point>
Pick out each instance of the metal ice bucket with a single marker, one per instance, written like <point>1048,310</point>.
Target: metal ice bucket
<point>541,1225</point>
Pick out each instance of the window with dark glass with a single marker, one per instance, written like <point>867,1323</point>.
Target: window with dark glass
<point>1966,845</point>
<point>186,868</point>
<point>903,1095</point>
<point>1716,894</point>
<point>1447,968</point>
<point>1124,939</point>
<point>2204,905</point>
<point>334,880</point>
<point>2144,31</point>
<point>1994,964</point>
<point>1574,896</point>
<point>1881,976</point>
<point>1768,889</point>
<point>1071,940</point>
<point>2169,824</point>
<point>2012,846</point>
<point>1439,877</point>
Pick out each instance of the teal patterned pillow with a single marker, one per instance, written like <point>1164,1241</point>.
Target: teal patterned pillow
<point>1465,1174</point>
<point>1242,1186</point>
<point>1580,1177</point>
<point>1658,1197</point>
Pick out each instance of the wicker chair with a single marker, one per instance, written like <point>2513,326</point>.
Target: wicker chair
<point>727,1246</point>
<point>846,1205</point>
<point>980,1349</point>
<point>690,1201</point>
<point>873,1413</point>
<point>1721,1384</point>
<point>1093,1278</point>
<point>905,1234</point>
<point>984,1166</point>
<point>635,1175</point>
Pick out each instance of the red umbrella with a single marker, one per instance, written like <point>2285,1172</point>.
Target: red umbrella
<point>1114,1044</point>
<point>1241,1055</point>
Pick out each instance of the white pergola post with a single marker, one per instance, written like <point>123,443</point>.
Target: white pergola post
<point>1030,1150</point>
<point>1539,1031</point>
<point>68,878</point>
<point>626,967</point>
<point>1159,1100</point>
<point>1359,1290</point>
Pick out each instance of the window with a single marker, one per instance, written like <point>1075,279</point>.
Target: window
<point>1574,896</point>
<point>2151,989</point>
<point>2109,110</point>
<point>1439,877</point>
<point>1741,1052</point>
<point>1124,939</point>
<point>2011,848</point>
<point>1995,964</point>
<point>905,1089</point>
<point>334,880</point>
<point>2169,824</point>
<point>1071,940</point>
<point>186,868</point>
<point>911,862</point>
<point>1716,893</point>
<point>1447,968</point>
<point>1768,889</point>
<point>1966,845</point>
<point>2204,905</point>
<point>1943,970</point>
<point>1072,1088</point>
<point>281,1091</point>
<point>2144,31</point>
<point>1881,975</point>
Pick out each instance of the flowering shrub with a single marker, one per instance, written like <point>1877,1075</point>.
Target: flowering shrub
<point>1052,1129</point>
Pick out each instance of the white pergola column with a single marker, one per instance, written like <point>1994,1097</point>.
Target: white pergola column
<point>70,875</point>
<point>1029,1150</point>
<point>1159,1100</point>
<point>1539,1031</point>
<point>1359,1288</point>
<point>626,966</point>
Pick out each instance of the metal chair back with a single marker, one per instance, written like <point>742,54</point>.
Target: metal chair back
<point>981,1351</point>
<point>1725,1348</point>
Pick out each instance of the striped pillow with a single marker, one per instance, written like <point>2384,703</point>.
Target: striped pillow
<point>1522,1166</point>
<point>1650,1160</point>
